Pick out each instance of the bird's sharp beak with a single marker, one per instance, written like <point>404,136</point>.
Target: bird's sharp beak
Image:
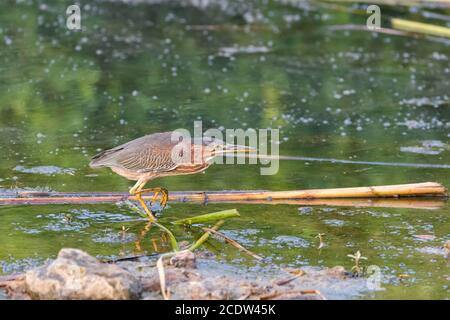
<point>232,148</point>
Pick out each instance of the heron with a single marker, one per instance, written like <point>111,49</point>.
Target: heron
<point>159,155</point>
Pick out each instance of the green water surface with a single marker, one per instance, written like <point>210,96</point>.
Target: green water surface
<point>141,68</point>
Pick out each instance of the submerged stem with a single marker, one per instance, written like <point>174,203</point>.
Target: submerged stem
<point>205,236</point>
<point>220,215</point>
<point>173,240</point>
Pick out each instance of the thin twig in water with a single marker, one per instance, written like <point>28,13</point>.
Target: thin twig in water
<point>11,277</point>
<point>293,294</point>
<point>234,243</point>
<point>130,258</point>
<point>205,236</point>
<point>297,275</point>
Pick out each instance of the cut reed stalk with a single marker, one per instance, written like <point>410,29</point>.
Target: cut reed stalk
<point>419,27</point>
<point>425,189</point>
<point>407,3</point>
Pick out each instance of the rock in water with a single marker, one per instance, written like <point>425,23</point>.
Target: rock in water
<point>76,275</point>
<point>184,259</point>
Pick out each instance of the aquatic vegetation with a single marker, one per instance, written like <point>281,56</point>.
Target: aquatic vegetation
<point>353,107</point>
<point>226,214</point>
<point>357,257</point>
<point>321,243</point>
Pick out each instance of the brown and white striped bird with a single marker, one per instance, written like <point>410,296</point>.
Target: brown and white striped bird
<point>159,155</point>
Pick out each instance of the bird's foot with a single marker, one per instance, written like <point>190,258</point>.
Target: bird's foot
<point>164,197</point>
<point>157,192</point>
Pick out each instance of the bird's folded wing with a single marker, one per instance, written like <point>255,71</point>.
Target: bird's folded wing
<point>147,160</point>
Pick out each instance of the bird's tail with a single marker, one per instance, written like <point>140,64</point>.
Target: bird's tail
<point>103,158</point>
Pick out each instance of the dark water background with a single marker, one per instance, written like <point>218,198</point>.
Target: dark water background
<point>142,68</point>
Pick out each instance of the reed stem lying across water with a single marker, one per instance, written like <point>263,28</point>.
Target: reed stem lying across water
<point>312,196</point>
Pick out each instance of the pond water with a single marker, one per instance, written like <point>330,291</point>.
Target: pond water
<point>142,68</point>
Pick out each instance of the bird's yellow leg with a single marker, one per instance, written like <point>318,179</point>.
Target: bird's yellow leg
<point>144,206</point>
<point>158,191</point>
<point>137,191</point>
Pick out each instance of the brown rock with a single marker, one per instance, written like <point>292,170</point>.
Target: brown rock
<point>184,259</point>
<point>77,275</point>
<point>337,271</point>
